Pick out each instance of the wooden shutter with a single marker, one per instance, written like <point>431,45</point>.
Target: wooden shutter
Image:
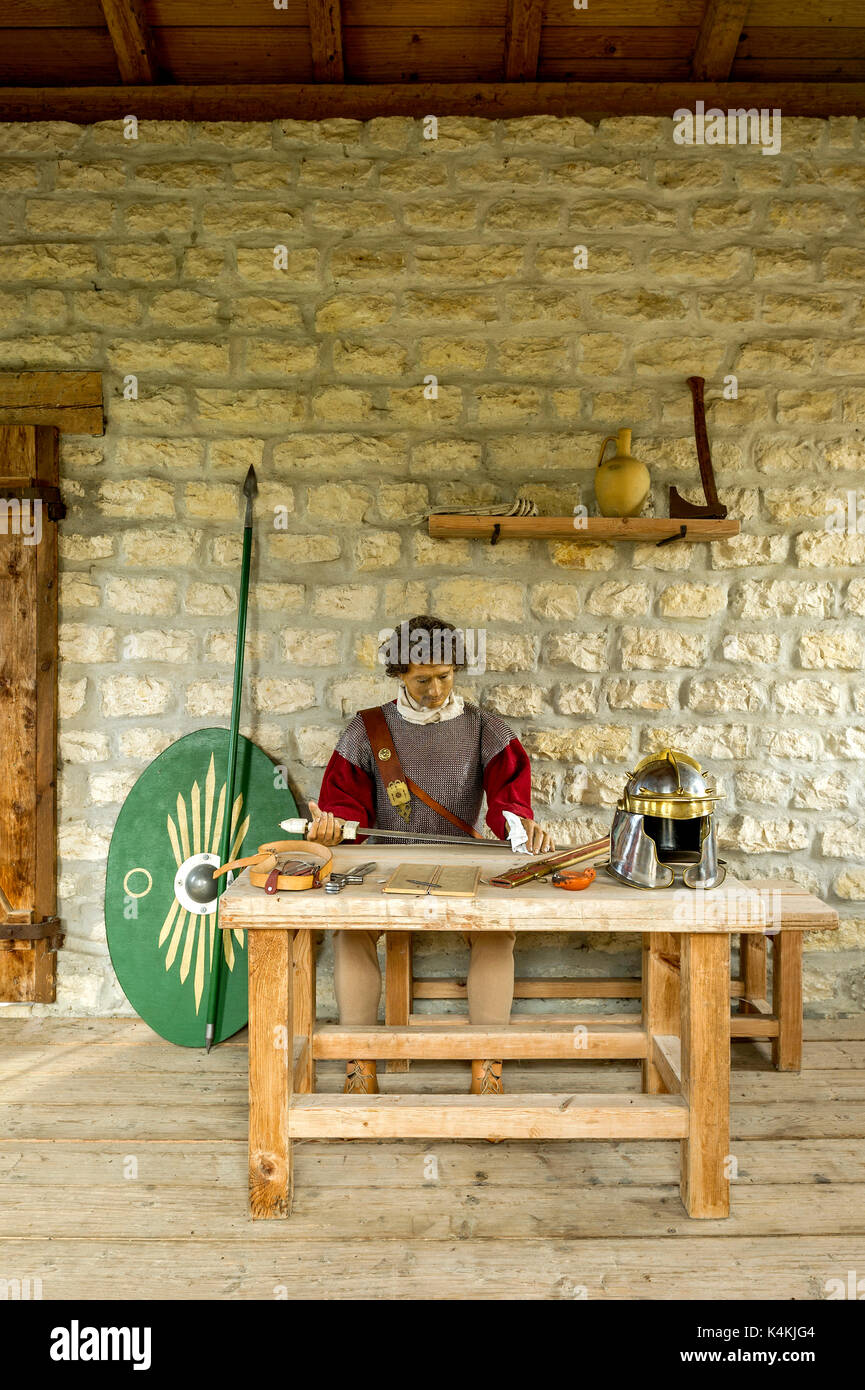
<point>28,715</point>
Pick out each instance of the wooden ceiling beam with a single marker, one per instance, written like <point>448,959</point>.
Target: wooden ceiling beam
<point>131,39</point>
<point>495,100</point>
<point>70,400</point>
<point>325,40</point>
<point>718,39</point>
<point>523,39</point>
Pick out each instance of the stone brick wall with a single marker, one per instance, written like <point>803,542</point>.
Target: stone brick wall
<point>407,258</point>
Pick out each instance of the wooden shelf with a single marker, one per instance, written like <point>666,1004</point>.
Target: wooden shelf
<point>606,528</point>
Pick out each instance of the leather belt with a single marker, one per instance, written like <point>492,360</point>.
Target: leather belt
<point>265,866</point>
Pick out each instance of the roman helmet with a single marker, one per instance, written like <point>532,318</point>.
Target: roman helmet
<point>664,825</point>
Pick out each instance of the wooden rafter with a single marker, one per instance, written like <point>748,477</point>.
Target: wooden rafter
<point>325,40</point>
<point>718,39</point>
<point>523,39</point>
<point>276,101</point>
<point>131,40</point>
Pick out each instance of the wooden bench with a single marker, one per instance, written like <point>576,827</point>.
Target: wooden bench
<point>792,910</point>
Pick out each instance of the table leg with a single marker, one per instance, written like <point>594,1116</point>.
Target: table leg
<point>705,1024</point>
<point>660,999</point>
<point>398,971</point>
<point>787,1000</point>
<point>303,975</point>
<point>270,1072</point>
<point>752,967</point>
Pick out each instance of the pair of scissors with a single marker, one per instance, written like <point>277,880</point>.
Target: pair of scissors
<point>338,881</point>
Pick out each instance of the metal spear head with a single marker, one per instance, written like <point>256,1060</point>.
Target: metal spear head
<point>250,490</point>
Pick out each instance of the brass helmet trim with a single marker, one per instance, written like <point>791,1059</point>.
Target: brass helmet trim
<point>670,806</point>
<point>680,804</point>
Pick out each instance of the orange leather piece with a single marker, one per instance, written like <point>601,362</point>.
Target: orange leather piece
<point>574,879</point>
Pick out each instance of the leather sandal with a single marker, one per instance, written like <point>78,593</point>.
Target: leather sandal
<point>486,1079</point>
<point>361,1079</point>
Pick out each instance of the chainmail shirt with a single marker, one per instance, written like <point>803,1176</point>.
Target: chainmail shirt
<point>446,759</point>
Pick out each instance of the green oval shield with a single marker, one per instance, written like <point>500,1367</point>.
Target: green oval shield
<point>160,916</point>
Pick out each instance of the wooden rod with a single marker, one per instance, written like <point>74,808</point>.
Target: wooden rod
<point>131,40</point>
<point>753,1026</point>
<point>611,987</point>
<point>667,1057</point>
<point>482,1117</point>
<point>516,1040</point>
<point>718,39</point>
<point>303,101</point>
<point>325,40</point>
<point>523,23</point>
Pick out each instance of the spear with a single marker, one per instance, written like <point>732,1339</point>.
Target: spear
<point>250,488</point>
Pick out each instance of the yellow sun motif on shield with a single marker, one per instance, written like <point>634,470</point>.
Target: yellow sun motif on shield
<point>189,927</point>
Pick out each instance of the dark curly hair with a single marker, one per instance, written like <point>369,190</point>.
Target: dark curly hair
<point>441,637</point>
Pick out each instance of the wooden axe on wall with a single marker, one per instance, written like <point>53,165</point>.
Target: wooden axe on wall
<point>713,507</point>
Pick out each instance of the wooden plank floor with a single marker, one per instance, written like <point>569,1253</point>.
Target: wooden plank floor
<point>123,1175</point>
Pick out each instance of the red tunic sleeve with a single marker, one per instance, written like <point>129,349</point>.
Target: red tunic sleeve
<point>508,785</point>
<point>347,792</point>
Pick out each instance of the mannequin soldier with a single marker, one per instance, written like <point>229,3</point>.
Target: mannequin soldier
<point>455,754</point>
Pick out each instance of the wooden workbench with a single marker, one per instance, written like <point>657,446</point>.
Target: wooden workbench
<point>681,1040</point>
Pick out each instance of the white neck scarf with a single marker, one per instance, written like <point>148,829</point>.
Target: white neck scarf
<point>417,714</point>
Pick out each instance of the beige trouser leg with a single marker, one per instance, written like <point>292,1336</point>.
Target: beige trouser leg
<point>491,977</point>
<point>357,976</point>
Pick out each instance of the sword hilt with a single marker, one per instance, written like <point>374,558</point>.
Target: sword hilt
<point>296,825</point>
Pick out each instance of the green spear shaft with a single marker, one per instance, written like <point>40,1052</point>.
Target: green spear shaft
<point>250,488</point>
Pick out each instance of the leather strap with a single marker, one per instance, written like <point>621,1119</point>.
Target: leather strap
<point>443,811</point>
<point>265,864</point>
<point>387,761</point>
<point>381,740</point>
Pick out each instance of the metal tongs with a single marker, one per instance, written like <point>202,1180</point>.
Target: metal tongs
<point>338,881</point>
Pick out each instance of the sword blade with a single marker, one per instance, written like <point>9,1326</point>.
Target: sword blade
<point>417,838</point>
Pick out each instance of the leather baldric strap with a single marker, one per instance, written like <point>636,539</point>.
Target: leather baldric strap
<point>399,788</point>
<point>265,868</point>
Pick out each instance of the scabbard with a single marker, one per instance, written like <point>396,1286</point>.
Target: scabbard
<point>594,853</point>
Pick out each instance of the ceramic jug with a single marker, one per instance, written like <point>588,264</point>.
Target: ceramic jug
<point>622,482</point>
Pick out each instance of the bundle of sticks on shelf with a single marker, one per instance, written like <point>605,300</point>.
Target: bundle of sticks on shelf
<point>521,506</point>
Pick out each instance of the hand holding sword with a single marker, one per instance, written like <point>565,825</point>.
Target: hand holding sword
<point>325,828</point>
